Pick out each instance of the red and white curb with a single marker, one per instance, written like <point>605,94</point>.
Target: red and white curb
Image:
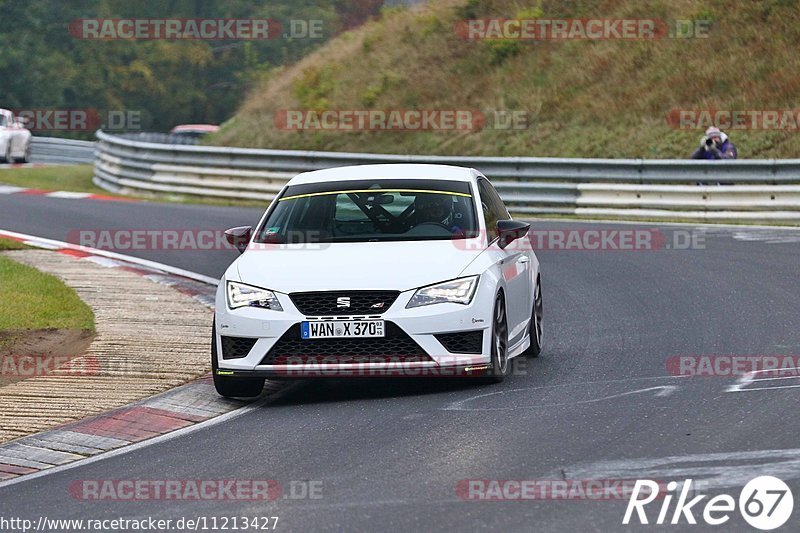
<point>12,189</point>
<point>177,409</point>
<point>76,444</point>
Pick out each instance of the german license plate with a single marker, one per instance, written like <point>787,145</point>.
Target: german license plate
<point>341,329</point>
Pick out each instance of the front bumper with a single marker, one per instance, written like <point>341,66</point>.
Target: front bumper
<point>265,329</point>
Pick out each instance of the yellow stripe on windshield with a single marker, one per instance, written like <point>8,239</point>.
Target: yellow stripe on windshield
<point>380,191</point>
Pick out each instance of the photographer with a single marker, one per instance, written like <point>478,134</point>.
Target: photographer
<point>715,145</point>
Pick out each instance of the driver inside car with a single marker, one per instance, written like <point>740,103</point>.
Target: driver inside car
<point>433,208</point>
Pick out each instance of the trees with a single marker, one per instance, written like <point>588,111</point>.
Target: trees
<point>42,65</point>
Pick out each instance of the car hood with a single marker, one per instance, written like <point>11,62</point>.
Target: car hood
<point>362,265</point>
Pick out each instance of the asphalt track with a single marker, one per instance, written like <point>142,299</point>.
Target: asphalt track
<point>600,403</point>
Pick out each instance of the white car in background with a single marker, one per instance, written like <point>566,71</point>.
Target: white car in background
<point>15,138</point>
<point>378,270</point>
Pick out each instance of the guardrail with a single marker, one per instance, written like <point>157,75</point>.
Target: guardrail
<point>55,150</point>
<point>744,190</point>
<point>159,137</point>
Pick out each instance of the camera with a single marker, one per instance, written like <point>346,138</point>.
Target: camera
<point>709,141</point>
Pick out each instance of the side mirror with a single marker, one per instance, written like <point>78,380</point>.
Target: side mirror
<point>239,237</point>
<point>510,230</point>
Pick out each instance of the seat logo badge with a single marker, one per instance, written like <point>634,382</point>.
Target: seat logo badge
<point>378,305</point>
<point>343,301</point>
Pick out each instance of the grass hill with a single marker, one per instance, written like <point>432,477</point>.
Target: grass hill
<point>583,98</point>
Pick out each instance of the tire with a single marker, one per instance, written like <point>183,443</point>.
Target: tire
<point>535,330</point>
<point>500,365</point>
<point>232,387</point>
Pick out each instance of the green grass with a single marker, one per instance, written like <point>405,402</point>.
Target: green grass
<point>75,178</point>
<point>78,178</point>
<point>34,300</point>
<point>10,244</point>
<point>583,98</point>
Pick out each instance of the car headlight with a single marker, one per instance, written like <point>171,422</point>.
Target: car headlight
<point>241,295</point>
<point>457,291</point>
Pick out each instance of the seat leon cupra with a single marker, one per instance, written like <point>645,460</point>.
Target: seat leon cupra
<point>378,271</point>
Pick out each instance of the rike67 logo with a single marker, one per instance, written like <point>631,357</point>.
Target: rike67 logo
<point>765,503</point>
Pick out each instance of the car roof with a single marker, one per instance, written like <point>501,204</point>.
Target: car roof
<point>386,171</point>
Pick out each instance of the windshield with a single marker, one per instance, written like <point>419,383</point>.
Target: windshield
<point>368,211</point>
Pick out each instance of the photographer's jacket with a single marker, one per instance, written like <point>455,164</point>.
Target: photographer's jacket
<point>726,150</point>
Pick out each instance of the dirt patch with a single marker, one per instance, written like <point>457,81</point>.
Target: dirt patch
<point>26,354</point>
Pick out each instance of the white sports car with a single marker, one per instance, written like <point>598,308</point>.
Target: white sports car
<point>378,270</point>
<point>15,139</point>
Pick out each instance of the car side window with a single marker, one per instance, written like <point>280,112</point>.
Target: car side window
<point>491,214</point>
<point>499,206</point>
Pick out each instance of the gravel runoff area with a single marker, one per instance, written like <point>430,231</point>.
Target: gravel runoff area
<point>150,337</point>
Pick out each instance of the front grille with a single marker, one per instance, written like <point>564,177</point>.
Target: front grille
<point>462,342</point>
<point>332,303</point>
<point>236,347</point>
<point>396,346</point>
